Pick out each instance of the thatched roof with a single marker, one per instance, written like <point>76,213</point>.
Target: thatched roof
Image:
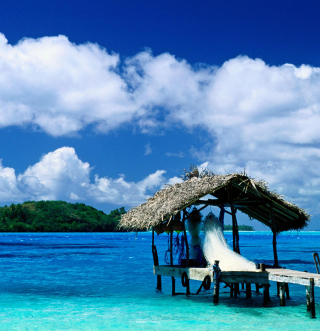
<point>249,196</point>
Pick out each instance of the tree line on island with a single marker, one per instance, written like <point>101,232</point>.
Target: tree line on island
<point>61,216</point>
<point>57,216</point>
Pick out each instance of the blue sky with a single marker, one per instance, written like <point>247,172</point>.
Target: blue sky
<point>103,102</point>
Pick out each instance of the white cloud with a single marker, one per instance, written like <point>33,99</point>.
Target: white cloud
<point>180,154</point>
<point>61,175</point>
<point>262,118</point>
<point>148,150</point>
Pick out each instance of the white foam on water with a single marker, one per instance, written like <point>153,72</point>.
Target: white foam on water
<point>215,247</point>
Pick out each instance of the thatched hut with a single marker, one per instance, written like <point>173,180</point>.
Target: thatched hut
<point>237,191</point>
<point>169,206</point>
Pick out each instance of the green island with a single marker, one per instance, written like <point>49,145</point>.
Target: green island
<point>240,227</point>
<point>61,216</point>
<point>57,216</point>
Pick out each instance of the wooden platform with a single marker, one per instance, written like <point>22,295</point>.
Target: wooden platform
<point>261,277</point>
<point>293,276</point>
<point>258,276</point>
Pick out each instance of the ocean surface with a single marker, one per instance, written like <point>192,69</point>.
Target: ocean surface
<point>104,281</point>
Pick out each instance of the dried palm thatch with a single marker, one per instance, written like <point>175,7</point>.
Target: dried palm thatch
<point>248,195</point>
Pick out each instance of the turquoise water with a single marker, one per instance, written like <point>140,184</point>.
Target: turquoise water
<point>94,281</point>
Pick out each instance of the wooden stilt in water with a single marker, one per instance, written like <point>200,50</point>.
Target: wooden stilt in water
<point>308,297</point>
<point>248,290</point>
<point>312,303</point>
<point>281,294</point>
<point>278,289</point>
<point>236,289</point>
<point>266,294</point>
<point>173,282</point>
<point>188,288</point>
<point>257,288</point>
<point>287,290</point>
<point>173,285</point>
<point>216,274</point>
<point>231,290</point>
<point>156,261</point>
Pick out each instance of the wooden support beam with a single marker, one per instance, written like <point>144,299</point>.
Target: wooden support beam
<point>188,287</point>
<point>216,275</point>
<point>237,203</point>
<point>156,262</point>
<point>248,290</point>
<point>274,240</point>
<point>185,236</point>
<point>281,294</point>
<point>266,294</point>
<point>173,281</point>
<point>312,302</point>
<point>287,290</point>
<point>308,297</point>
<point>235,231</point>
<point>171,244</point>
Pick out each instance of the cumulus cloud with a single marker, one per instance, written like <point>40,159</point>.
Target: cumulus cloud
<point>61,175</point>
<point>262,118</point>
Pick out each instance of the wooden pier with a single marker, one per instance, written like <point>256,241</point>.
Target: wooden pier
<point>260,277</point>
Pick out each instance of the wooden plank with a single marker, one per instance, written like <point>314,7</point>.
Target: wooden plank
<point>293,276</point>
<point>244,277</point>
<point>201,273</point>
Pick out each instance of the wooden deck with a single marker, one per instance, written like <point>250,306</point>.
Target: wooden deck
<point>293,277</point>
<point>258,276</point>
<point>283,277</point>
<point>261,277</point>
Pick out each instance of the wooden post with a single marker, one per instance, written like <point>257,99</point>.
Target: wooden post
<point>266,294</point>
<point>235,231</point>
<point>188,287</point>
<point>156,261</point>
<point>312,303</point>
<point>173,285</point>
<point>231,290</point>
<point>274,240</point>
<point>171,243</point>
<point>257,287</point>
<point>287,290</point>
<point>216,274</point>
<point>236,289</point>
<point>308,297</point>
<point>185,236</point>
<point>248,290</point>
<point>171,258</point>
<point>281,294</point>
